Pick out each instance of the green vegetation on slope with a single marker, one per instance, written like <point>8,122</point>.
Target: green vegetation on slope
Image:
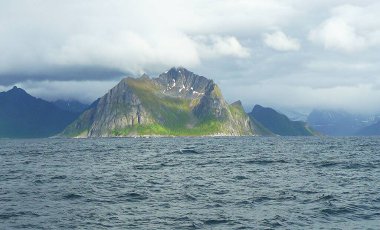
<point>205,128</point>
<point>173,115</point>
<point>171,112</point>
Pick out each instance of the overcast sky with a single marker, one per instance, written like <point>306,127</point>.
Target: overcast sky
<point>282,53</point>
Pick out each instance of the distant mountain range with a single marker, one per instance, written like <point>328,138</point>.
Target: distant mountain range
<point>24,116</point>
<point>176,103</point>
<point>340,123</point>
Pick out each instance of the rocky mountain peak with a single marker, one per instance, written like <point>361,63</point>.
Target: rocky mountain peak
<point>178,71</point>
<point>183,83</point>
<point>16,90</point>
<point>145,76</point>
<point>237,103</point>
<point>16,94</point>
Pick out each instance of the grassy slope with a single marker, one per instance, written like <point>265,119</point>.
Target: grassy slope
<point>173,115</point>
<point>238,114</point>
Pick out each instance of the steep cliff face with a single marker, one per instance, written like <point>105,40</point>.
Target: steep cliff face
<point>177,103</point>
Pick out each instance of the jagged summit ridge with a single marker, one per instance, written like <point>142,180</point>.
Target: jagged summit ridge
<point>182,82</point>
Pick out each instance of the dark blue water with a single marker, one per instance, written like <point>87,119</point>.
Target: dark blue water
<point>190,183</point>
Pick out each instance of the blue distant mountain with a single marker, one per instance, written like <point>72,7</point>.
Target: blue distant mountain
<point>24,116</point>
<point>338,123</point>
<point>280,124</point>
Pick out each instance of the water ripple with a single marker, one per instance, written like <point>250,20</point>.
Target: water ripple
<point>190,183</point>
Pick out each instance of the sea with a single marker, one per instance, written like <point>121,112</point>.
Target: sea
<point>190,183</point>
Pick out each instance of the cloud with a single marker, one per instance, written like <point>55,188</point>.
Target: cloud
<point>128,36</point>
<point>335,33</point>
<point>128,51</point>
<point>62,73</point>
<point>68,90</point>
<point>357,99</point>
<point>78,49</point>
<point>218,46</point>
<point>281,42</point>
<point>339,65</point>
<point>349,29</point>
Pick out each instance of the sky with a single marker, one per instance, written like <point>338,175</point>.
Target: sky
<point>291,54</point>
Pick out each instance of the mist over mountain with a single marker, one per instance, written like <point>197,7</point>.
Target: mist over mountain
<point>339,122</point>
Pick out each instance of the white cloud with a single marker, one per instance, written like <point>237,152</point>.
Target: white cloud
<point>281,42</point>
<point>132,36</point>
<point>335,33</point>
<point>350,28</point>
<point>128,51</point>
<point>214,46</point>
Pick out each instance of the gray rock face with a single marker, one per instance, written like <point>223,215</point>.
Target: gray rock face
<point>212,104</point>
<point>118,108</point>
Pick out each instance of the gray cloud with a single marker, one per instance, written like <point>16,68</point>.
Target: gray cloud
<point>88,46</point>
<point>67,73</point>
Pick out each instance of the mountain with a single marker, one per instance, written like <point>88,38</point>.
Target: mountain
<point>371,130</point>
<point>70,105</point>
<point>24,116</point>
<point>177,103</point>
<point>280,124</point>
<point>337,122</point>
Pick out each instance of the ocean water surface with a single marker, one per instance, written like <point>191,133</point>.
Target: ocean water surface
<point>190,183</point>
